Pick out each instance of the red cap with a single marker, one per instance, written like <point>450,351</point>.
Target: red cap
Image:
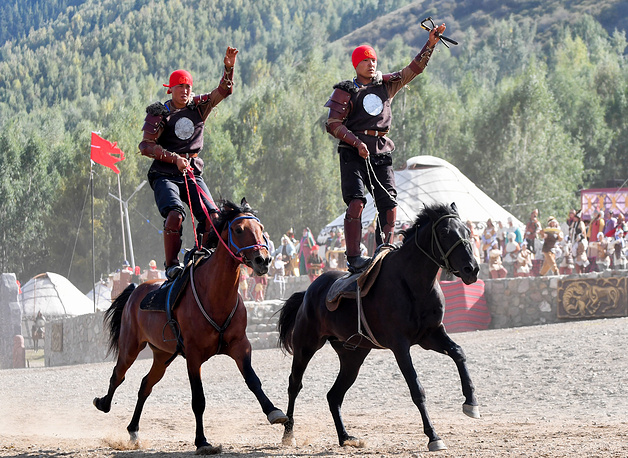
<point>362,52</point>
<point>179,77</point>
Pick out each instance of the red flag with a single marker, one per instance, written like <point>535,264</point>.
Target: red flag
<point>106,153</point>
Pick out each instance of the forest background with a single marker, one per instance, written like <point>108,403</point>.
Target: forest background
<point>531,106</point>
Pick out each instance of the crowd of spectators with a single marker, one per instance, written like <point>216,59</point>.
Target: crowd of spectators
<point>575,246</point>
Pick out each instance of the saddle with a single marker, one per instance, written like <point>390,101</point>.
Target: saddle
<point>167,297</point>
<point>347,285</point>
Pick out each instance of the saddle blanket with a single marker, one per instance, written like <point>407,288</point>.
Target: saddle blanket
<point>171,292</point>
<point>347,286</point>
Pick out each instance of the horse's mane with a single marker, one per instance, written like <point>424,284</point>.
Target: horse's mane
<point>229,210</point>
<point>423,218</point>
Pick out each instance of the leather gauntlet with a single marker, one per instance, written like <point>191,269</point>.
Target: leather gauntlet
<point>420,61</point>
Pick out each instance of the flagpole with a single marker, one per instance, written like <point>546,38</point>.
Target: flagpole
<point>122,220</point>
<point>91,181</point>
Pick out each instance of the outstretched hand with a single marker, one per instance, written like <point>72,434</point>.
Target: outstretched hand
<point>230,57</point>
<point>435,34</point>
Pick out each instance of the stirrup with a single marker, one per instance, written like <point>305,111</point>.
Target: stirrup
<point>357,264</point>
<point>173,272</point>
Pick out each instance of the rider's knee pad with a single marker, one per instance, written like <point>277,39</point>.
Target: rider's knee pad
<point>354,210</point>
<point>173,223</point>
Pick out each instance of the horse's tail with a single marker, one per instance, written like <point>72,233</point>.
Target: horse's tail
<point>113,318</point>
<point>287,318</point>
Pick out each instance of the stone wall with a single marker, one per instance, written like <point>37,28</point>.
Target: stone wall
<point>10,320</point>
<point>76,340</point>
<point>512,302</point>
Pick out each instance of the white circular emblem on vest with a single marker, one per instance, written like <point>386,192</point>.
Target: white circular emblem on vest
<point>184,128</point>
<point>372,104</point>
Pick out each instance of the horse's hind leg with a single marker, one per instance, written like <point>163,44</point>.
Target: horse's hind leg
<point>418,397</point>
<point>117,377</point>
<point>301,357</point>
<point>155,374</point>
<point>440,342</point>
<point>350,363</point>
<point>241,353</point>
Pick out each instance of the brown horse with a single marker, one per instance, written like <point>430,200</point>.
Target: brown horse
<point>211,298</point>
<point>404,307</point>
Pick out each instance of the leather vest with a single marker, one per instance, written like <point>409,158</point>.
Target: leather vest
<point>371,111</point>
<point>183,131</point>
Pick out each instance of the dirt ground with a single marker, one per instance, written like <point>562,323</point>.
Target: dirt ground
<point>557,390</point>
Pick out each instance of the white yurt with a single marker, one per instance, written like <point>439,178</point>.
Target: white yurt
<point>426,180</point>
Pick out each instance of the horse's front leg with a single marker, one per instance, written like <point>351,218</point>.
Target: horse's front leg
<point>439,341</point>
<point>241,354</point>
<point>198,407</point>
<point>418,397</point>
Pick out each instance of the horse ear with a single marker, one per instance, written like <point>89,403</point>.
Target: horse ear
<point>245,205</point>
<point>454,208</point>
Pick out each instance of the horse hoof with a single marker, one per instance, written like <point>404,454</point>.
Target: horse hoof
<point>277,416</point>
<point>435,446</point>
<point>353,442</point>
<point>134,437</point>
<point>209,450</point>
<point>98,404</point>
<point>289,440</point>
<point>471,411</point>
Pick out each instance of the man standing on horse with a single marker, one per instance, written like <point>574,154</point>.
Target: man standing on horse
<point>173,137</point>
<point>360,117</point>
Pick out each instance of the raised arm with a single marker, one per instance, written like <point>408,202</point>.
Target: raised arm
<point>206,102</point>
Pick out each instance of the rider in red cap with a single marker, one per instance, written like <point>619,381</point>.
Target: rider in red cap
<point>360,117</point>
<point>173,138</point>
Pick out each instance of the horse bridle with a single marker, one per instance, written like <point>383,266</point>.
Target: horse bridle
<point>239,250</point>
<point>443,256</point>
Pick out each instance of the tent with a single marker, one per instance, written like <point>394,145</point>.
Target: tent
<point>54,296</point>
<point>103,296</point>
<point>426,180</point>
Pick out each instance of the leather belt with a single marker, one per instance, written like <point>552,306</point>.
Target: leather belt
<point>374,133</point>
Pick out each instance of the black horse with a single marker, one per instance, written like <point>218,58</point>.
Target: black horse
<point>404,307</point>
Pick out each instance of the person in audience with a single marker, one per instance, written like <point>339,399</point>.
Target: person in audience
<point>551,235</point>
<point>523,265</point>
<point>511,249</point>
<point>532,230</point>
<point>476,244</point>
<point>495,266</point>
<point>596,225</point>
<point>603,260</point>
<point>489,235</point>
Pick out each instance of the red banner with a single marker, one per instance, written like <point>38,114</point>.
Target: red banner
<point>106,153</point>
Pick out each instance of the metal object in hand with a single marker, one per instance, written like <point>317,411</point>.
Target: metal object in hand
<point>430,26</point>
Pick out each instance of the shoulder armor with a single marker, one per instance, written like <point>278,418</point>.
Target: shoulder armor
<point>157,109</point>
<point>377,79</point>
<point>346,86</point>
<point>338,103</point>
<point>154,117</point>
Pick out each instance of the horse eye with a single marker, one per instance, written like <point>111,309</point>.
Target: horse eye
<point>239,230</point>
